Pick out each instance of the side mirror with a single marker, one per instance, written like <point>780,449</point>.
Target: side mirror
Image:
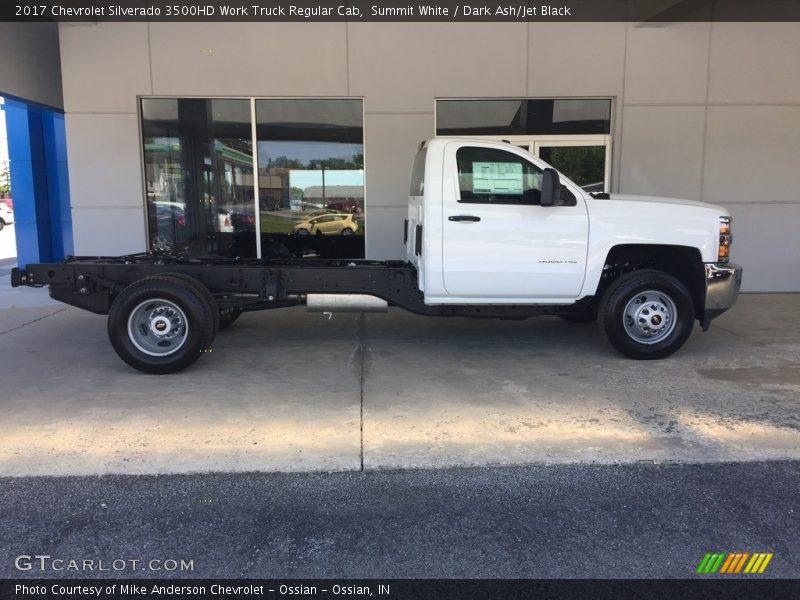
<point>551,188</point>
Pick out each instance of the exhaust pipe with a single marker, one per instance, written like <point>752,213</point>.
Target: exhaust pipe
<point>345,303</point>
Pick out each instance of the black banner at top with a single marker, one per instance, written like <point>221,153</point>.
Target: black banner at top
<point>545,11</point>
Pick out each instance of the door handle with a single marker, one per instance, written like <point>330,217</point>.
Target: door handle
<point>464,218</point>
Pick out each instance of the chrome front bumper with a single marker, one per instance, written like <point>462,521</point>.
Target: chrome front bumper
<point>723,281</point>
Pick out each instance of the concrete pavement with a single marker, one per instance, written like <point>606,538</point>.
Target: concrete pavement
<point>289,391</point>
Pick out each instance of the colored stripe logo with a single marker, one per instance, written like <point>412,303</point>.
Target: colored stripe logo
<point>732,563</point>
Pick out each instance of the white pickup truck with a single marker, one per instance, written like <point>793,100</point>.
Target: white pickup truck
<point>492,231</point>
<point>492,224</point>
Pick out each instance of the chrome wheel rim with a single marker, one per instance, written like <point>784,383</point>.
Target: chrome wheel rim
<point>157,327</point>
<point>649,317</point>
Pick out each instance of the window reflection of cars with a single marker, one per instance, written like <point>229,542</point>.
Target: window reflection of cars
<point>343,206</point>
<point>270,203</point>
<point>242,221</point>
<point>171,227</point>
<point>318,213</point>
<point>170,224</point>
<point>225,221</point>
<point>170,215</point>
<point>6,215</point>
<point>330,224</point>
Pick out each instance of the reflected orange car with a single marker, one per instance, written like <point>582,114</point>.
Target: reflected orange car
<point>331,224</point>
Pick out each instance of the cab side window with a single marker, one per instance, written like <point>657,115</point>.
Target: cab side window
<point>492,176</point>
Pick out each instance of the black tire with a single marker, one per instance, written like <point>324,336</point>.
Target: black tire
<point>302,232</point>
<point>2,224</point>
<point>674,310</point>
<point>203,291</point>
<point>347,231</point>
<point>228,317</point>
<point>589,316</point>
<point>180,294</point>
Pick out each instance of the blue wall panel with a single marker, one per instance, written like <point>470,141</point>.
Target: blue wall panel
<point>39,182</point>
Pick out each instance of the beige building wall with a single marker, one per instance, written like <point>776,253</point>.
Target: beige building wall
<point>29,64</point>
<point>702,111</point>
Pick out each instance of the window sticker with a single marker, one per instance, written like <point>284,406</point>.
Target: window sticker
<point>496,178</point>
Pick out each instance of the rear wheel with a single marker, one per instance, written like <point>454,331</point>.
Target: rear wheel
<point>646,314</point>
<point>161,324</point>
<point>347,231</point>
<point>203,291</point>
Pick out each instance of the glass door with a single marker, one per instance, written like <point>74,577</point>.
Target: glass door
<point>585,164</point>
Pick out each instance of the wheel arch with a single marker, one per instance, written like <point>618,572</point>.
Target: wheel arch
<point>685,263</point>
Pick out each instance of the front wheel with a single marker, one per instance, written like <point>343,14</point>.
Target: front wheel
<point>646,314</point>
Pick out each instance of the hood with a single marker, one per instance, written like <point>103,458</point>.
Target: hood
<point>628,219</point>
<point>665,200</point>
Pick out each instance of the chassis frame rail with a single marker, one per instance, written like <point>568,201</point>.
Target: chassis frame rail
<point>92,283</point>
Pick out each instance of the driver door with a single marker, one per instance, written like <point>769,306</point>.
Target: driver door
<point>498,241</point>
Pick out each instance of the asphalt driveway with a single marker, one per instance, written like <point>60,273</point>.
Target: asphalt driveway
<point>556,521</point>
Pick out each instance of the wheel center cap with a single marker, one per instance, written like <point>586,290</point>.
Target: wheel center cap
<point>652,317</point>
<point>160,325</point>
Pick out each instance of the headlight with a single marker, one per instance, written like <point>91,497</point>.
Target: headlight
<point>725,239</point>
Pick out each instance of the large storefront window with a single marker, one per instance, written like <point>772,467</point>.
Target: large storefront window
<point>311,177</point>
<point>307,199</point>
<point>198,161</point>
<point>572,134</point>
